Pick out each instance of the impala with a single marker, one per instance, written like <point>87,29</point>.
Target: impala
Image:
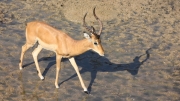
<point>63,45</point>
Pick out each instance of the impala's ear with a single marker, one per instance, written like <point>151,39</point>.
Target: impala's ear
<point>93,29</point>
<point>87,36</point>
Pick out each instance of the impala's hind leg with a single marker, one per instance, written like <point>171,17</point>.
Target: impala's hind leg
<point>25,47</point>
<point>30,41</point>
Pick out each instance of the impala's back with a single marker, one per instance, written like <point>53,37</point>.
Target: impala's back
<point>47,36</point>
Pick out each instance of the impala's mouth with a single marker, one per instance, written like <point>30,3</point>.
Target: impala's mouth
<point>101,54</point>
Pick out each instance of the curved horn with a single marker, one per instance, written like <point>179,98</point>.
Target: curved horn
<point>100,23</point>
<point>84,24</point>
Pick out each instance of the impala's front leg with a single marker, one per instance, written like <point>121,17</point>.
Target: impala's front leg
<point>58,67</point>
<point>73,62</point>
<point>35,54</point>
<point>25,47</point>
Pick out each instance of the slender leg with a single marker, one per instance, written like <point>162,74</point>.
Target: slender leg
<point>58,67</point>
<point>25,47</point>
<point>79,75</point>
<point>35,54</point>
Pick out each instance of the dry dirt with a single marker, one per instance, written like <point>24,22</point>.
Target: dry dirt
<point>140,38</point>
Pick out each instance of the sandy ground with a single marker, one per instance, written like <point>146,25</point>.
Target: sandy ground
<point>140,38</point>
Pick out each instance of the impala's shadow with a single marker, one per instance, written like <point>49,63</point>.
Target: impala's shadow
<point>101,64</point>
<point>39,60</point>
<point>51,60</point>
<point>98,64</point>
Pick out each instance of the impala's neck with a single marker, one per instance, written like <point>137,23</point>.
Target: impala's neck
<point>80,46</point>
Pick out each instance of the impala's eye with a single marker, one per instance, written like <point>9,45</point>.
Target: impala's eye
<point>95,43</point>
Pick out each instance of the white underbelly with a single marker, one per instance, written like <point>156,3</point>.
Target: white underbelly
<point>51,47</point>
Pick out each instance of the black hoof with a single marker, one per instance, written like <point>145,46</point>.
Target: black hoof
<point>86,92</point>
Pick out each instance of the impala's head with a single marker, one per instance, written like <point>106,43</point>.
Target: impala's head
<point>94,37</point>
